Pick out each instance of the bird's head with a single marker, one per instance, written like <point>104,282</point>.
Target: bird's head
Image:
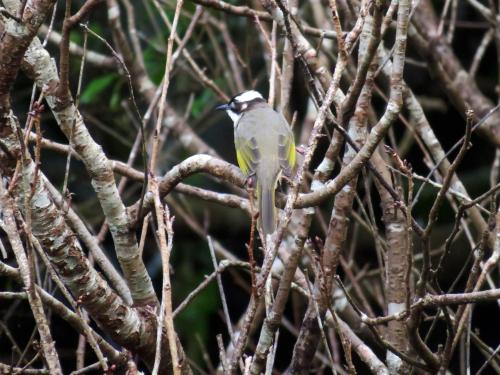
<point>241,103</point>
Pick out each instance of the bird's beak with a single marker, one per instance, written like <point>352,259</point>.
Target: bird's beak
<point>222,107</point>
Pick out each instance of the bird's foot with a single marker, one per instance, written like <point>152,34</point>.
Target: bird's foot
<point>301,149</point>
<point>250,181</point>
<point>287,178</point>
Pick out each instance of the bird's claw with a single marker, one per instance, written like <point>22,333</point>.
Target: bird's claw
<point>300,149</point>
<point>250,181</point>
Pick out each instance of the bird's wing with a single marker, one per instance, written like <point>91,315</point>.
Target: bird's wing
<point>286,150</point>
<point>247,153</point>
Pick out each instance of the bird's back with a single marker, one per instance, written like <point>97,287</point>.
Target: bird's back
<point>263,128</point>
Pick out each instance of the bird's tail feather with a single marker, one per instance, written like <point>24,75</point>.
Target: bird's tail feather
<point>267,208</point>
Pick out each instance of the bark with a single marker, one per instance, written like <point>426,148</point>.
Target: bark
<point>38,65</point>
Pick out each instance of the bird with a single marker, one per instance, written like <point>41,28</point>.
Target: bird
<point>265,149</point>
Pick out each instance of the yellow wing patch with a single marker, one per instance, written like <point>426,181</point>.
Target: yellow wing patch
<point>286,153</point>
<point>241,162</point>
<point>292,156</point>
<point>247,154</point>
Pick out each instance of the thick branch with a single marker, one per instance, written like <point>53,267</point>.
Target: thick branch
<point>38,65</point>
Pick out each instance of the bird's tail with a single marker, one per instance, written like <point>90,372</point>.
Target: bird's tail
<point>267,208</point>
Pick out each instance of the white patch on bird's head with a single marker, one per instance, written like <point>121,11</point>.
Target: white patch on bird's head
<point>247,96</point>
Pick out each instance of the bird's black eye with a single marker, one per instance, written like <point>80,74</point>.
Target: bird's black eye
<point>235,107</point>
